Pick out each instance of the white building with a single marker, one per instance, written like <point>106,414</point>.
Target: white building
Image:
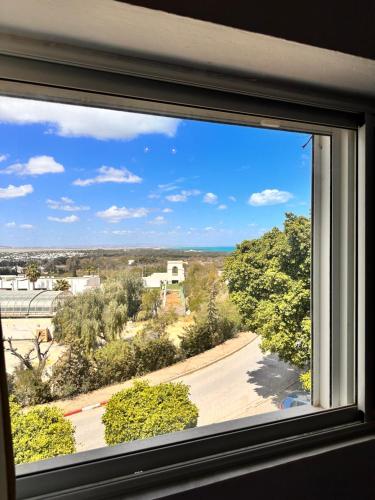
<point>77,284</point>
<point>175,274</point>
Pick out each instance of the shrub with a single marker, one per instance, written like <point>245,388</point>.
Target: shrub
<point>28,387</point>
<point>40,433</point>
<point>73,373</point>
<point>153,353</point>
<point>115,362</point>
<point>145,411</point>
<point>200,336</point>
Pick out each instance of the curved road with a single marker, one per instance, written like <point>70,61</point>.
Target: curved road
<point>243,384</point>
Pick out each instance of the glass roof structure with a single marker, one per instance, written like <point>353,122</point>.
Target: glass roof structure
<point>35,303</point>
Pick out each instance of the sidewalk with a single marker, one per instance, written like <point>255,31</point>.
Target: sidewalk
<point>167,374</point>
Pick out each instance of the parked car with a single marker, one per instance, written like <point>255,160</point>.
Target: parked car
<point>295,399</point>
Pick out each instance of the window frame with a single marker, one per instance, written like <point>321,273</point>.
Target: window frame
<point>253,439</point>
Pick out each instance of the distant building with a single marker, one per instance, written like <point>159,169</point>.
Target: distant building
<point>77,285</point>
<point>175,274</point>
<point>30,304</point>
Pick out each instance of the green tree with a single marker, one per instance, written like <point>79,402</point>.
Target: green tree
<point>74,373</point>
<point>199,281</point>
<point>151,302</point>
<point>115,362</point>
<point>61,285</point>
<point>145,411</point>
<point>81,318</point>
<point>40,433</point>
<point>269,280</point>
<point>32,273</point>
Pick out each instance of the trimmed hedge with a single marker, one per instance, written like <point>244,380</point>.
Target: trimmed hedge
<point>40,433</point>
<point>144,411</point>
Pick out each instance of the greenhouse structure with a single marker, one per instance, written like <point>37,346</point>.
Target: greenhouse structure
<point>35,303</point>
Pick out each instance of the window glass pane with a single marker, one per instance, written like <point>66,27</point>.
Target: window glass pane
<point>175,256</point>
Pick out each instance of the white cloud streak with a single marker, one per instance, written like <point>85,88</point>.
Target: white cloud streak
<point>182,196</point>
<point>210,198</point>
<point>69,219</point>
<point>37,165</point>
<point>116,214</point>
<point>269,197</point>
<point>15,191</point>
<point>3,158</point>
<point>65,204</point>
<point>222,207</point>
<point>80,121</point>
<point>158,220</point>
<point>110,174</point>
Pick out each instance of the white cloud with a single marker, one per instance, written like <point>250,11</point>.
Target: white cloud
<point>153,196</point>
<point>183,195</point>
<point>158,220</point>
<point>65,204</point>
<point>222,207</point>
<point>116,214</point>
<point>173,151</point>
<point>15,191</point>
<point>22,226</point>
<point>66,220</point>
<point>269,197</point>
<point>167,210</point>
<point>232,198</point>
<point>110,174</point>
<point>3,157</point>
<point>210,198</point>
<point>82,121</point>
<point>171,186</point>
<point>209,228</point>
<point>37,165</point>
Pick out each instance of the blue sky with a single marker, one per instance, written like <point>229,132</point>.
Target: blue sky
<point>74,176</point>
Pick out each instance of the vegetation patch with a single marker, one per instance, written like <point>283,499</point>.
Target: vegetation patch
<point>145,411</point>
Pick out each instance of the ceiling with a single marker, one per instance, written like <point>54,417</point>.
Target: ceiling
<point>126,29</point>
<point>343,26</point>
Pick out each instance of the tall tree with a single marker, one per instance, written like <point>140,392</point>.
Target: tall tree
<point>269,280</point>
<point>32,272</point>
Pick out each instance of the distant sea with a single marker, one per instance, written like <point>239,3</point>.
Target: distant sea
<point>207,249</point>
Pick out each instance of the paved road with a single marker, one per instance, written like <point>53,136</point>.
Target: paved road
<point>243,384</point>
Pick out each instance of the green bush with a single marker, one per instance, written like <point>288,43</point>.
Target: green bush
<point>200,336</point>
<point>115,362</point>
<point>28,387</point>
<point>40,433</point>
<point>74,373</point>
<point>153,353</point>
<point>145,411</point>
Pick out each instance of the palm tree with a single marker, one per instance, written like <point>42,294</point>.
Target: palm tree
<point>61,285</point>
<point>32,272</point>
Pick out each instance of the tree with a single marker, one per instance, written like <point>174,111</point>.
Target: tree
<point>28,385</point>
<point>269,280</point>
<point>61,285</point>
<point>81,318</point>
<point>151,302</point>
<point>40,433</point>
<point>199,281</point>
<point>32,272</point>
<point>144,411</point>
<point>74,373</point>
<point>115,362</point>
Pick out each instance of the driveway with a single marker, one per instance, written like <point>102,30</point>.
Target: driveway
<point>245,383</point>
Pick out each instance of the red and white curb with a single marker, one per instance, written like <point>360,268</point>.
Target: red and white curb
<point>85,408</point>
